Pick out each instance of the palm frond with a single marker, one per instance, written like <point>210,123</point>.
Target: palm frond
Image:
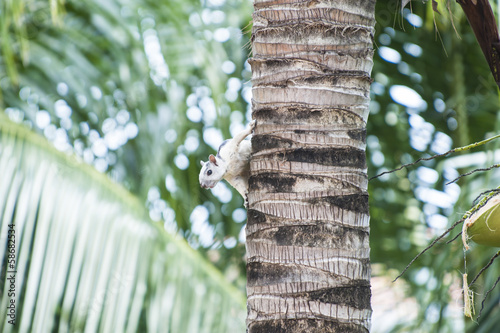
<point>87,257</point>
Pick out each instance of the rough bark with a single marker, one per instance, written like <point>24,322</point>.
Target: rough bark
<point>308,220</point>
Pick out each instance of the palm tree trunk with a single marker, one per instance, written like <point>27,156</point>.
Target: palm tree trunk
<point>308,223</point>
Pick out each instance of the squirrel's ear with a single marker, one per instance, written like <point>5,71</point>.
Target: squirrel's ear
<point>212,159</point>
<point>202,163</point>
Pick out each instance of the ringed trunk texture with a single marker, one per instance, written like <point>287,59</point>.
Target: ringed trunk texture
<point>308,220</point>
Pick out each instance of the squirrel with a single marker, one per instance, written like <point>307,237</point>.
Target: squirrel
<point>231,163</point>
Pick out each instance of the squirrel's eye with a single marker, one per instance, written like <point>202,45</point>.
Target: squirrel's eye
<point>209,172</point>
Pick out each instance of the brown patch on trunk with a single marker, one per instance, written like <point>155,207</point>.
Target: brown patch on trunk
<point>304,326</point>
<point>321,235</point>
<point>342,157</point>
<point>298,114</point>
<point>353,202</point>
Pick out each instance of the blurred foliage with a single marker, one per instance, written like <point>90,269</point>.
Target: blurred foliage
<point>437,57</point>
<point>144,90</point>
<point>87,257</point>
<point>113,80</point>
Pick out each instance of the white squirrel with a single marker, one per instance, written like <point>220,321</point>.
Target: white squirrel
<point>232,163</point>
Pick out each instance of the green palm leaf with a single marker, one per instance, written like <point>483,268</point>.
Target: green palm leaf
<point>144,60</point>
<point>87,257</point>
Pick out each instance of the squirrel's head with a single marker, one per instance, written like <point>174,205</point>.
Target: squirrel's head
<point>211,172</point>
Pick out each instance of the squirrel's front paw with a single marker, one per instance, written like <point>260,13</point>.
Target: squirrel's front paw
<point>252,124</point>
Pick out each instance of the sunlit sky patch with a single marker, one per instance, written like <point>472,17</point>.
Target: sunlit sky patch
<point>384,39</point>
<point>42,119</point>
<point>194,114</point>
<point>242,236</point>
<point>96,92</point>
<point>239,215</point>
<point>435,197</point>
<point>108,125</point>
<point>228,67</point>
<point>404,68</point>
<point>378,88</point>
<point>169,223</point>
<point>192,143</point>
<point>439,105</point>
<point>122,117</point>
<point>207,105</point>
<point>218,16</point>
<point>407,97</point>
<point>378,158</point>
<point>62,88</point>
<point>437,221</point>
<point>61,140</point>
<point>412,49</point>
<point>422,276</point>
<point>420,132</point>
<point>233,87</point>
<point>131,130</point>
<point>414,19</point>
<point>62,109</point>
<point>389,55</point>
<point>159,68</point>
<point>215,3</point>
<point>229,242</point>
<point>222,192</point>
<point>116,138</point>
<point>222,35</point>
<point>428,175</point>
<point>170,183</point>
<point>100,164</point>
<point>181,161</point>
<point>99,148</point>
<point>170,135</point>
<point>471,160</point>
<point>441,143</point>
<point>200,226</point>
<point>213,137</point>
<point>81,100</point>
